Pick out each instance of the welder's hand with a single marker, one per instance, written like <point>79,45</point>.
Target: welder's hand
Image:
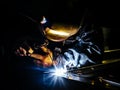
<point>41,60</point>
<point>23,52</point>
<point>44,60</point>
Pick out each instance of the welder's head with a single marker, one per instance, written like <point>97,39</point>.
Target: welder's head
<point>59,25</point>
<point>58,31</point>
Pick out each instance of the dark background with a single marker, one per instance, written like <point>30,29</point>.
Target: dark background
<point>105,14</point>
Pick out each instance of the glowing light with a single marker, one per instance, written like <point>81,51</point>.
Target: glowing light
<point>55,77</point>
<point>59,32</point>
<point>43,20</point>
<point>51,77</point>
<point>59,72</point>
<point>30,50</point>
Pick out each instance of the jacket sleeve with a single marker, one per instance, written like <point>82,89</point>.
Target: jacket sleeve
<point>85,48</point>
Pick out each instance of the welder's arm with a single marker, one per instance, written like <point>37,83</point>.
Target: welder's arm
<point>41,60</point>
<point>87,50</point>
<point>73,59</point>
<point>44,60</point>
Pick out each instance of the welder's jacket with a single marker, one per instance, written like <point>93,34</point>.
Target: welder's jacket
<point>83,48</point>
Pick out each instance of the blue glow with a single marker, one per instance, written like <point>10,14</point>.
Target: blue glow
<point>55,77</point>
<point>53,80</point>
<point>51,77</point>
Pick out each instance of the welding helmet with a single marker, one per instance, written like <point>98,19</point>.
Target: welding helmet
<point>58,32</point>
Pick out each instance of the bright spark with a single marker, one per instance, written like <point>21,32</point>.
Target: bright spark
<point>44,20</point>
<point>59,72</point>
